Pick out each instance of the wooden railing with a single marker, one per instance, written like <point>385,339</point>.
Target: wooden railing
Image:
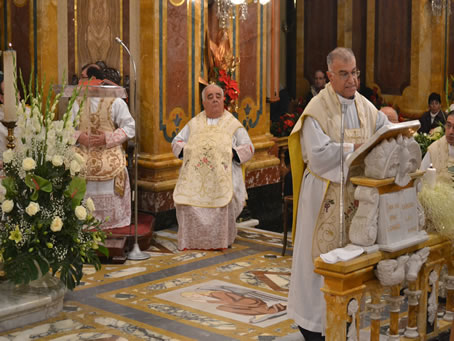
<point>351,290</point>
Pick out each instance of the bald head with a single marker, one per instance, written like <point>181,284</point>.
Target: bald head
<point>391,114</point>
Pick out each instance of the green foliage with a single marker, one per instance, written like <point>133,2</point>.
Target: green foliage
<point>41,230</point>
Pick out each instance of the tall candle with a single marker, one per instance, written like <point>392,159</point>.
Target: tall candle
<point>9,95</point>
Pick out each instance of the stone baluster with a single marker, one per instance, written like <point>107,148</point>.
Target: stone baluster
<point>394,301</point>
<point>449,315</point>
<point>413,295</point>
<point>375,310</point>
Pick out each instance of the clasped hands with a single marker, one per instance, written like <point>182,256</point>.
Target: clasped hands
<point>97,139</point>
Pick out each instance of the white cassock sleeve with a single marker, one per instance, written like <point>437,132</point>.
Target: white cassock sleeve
<point>242,145</point>
<point>180,140</point>
<point>320,152</point>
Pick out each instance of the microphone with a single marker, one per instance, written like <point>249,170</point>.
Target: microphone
<point>342,185</point>
<point>136,253</point>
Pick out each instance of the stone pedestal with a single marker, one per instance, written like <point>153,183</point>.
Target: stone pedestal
<point>21,305</point>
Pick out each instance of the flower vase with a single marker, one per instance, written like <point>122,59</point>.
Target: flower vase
<point>44,281</point>
<point>24,304</point>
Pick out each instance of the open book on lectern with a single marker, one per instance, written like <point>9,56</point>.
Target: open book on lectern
<point>386,132</point>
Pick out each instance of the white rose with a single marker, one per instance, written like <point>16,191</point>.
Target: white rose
<point>8,156</point>
<point>28,164</point>
<point>32,208</point>
<point>90,205</point>
<point>81,212</point>
<point>7,206</point>
<point>74,167</point>
<point>57,160</point>
<point>57,224</point>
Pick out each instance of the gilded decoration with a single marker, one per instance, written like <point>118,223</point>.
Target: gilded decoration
<point>177,3</point>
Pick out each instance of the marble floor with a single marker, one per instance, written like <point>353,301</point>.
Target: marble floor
<point>236,294</point>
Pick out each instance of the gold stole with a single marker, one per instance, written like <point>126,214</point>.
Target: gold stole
<point>325,108</point>
<point>205,178</point>
<point>102,164</point>
<point>439,156</point>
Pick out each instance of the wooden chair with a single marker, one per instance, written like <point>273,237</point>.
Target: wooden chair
<point>288,201</point>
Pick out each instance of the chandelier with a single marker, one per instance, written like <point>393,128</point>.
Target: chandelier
<point>439,5</point>
<point>226,10</point>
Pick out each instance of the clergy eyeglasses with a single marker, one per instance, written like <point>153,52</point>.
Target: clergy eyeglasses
<point>344,75</point>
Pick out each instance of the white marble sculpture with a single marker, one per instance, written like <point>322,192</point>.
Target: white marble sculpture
<point>415,263</point>
<point>391,271</point>
<point>363,228</point>
<point>383,161</point>
<point>394,158</point>
<point>421,215</point>
<point>391,219</point>
<point>432,302</point>
<point>352,309</point>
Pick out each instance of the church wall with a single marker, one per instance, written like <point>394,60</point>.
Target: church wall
<point>399,45</point>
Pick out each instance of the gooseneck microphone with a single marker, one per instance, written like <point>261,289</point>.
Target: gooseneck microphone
<point>136,253</point>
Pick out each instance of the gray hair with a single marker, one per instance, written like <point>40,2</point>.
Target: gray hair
<point>342,53</point>
<point>211,85</point>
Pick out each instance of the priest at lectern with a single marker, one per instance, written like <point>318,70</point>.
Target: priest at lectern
<point>315,148</point>
<point>105,123</point>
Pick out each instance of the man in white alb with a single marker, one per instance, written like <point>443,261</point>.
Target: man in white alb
<point>210,192</point>
<point>315,160</point>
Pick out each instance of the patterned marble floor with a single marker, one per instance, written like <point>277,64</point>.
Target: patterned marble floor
<point>236,294</point>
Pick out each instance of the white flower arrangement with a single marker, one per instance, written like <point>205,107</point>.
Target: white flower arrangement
<point>44,217</point>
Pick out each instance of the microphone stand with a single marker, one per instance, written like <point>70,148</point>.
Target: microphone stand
<point>136,253</point>
<point>341,201</point>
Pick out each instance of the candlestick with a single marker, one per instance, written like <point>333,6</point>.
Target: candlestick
<point>431,177</point>
<point>9,95</point>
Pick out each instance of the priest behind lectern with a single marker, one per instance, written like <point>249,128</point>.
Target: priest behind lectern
<point>314,146</point>
<point>210,192</point>
<point>105,123</point>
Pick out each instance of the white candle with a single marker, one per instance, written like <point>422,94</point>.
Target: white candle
<point>9,96</point>
<point>431,177</point>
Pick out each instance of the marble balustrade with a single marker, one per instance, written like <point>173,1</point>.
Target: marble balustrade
<point>356,279</point>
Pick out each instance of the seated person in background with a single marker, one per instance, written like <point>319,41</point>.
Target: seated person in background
<point>391,114</point>
<point>105,123</point>
<point>319,84</point>
<point>434,117</point>
<point>441,153</point>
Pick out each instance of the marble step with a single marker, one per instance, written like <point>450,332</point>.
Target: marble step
<point>21,305</point>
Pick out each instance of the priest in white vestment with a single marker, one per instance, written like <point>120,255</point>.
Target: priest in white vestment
<point>440,154</point>
<point>315,149</point>
<point>210,192</point>
<point>106,123</point>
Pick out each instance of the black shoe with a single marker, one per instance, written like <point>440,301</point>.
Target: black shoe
<point>311,336</point>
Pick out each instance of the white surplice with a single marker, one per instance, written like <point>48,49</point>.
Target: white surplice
<point>108,204</point>
<point>213,228</point>
<point>306,304</point>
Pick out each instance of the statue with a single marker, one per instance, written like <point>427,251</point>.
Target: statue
<point>222,65</point>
